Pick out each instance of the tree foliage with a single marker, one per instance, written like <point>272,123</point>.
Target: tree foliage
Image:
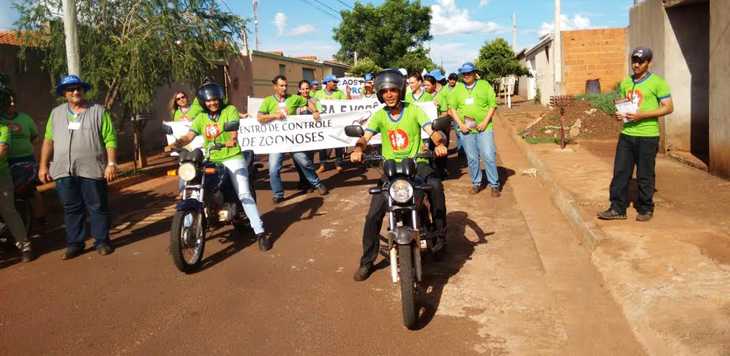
<point>391,34</point>
<point>129,48</point>
<point>365,65</point>
<point>496,60</point>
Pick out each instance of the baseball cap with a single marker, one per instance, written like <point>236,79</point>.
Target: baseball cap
<point>436,74</point>
<point>315,82</point>
<point>329,78</point>
<point>642,53</point>
<point>368,77</point>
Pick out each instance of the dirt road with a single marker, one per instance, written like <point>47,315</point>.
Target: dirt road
<point>515,282</point>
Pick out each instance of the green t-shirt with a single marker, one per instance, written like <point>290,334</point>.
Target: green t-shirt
<point>648,94</point>
<point>338,94</point>
<point>212,132</point>
<point>22,133</point>
<point>4,140</point>
<point>108,133</point>
<point>401,136</point>
<point>474,103</point>
<point>424,98</point>
<point>442,98</point>
<point>270,104</point>
<point>192,112</point>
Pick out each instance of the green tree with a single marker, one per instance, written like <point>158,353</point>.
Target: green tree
<point>365,65</point>
<point>391,34</point>
<point>129,48</point>
<point>496,60</point>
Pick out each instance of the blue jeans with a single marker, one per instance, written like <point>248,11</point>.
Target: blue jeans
<point>239,177</point>
<point>80,196</point>
<point>302,159</point>
<point>481,145</point>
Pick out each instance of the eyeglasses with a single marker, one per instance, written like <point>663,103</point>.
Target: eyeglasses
<point>72,89</point>
<point>180,97</point>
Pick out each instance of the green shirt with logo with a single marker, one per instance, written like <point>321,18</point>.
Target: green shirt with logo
<point>401,135</point>
<point>22,133</point>
<point>271,103</point>
<point>473,103</point>
<point>211,129</point>
<point>323,94</point>
<point>647,93</point>
<point>4,140</point>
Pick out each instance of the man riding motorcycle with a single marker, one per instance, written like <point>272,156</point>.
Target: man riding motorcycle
<point>399,124</point>
<point>209,124</point>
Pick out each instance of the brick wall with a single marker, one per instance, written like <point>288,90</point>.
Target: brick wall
<point>593,54</point>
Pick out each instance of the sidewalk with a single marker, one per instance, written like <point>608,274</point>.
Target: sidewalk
<point>671,276</point>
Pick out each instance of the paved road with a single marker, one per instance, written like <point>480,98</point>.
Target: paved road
<point>496,293</point>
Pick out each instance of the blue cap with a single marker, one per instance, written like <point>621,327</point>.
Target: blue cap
<point>436,74</point>
<point>467,67</point>
<point>315,82</point>
<point>329,78</point>
<point>368,77</point>
<point>71,80</point>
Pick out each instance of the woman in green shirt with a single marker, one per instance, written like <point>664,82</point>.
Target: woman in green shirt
<point>180,108</point>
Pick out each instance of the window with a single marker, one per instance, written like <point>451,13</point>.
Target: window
<point>308,74</point>
<point>282,69</point>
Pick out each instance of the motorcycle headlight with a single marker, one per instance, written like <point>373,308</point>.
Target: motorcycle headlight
<point>187,171</point>
<point>401,191</point>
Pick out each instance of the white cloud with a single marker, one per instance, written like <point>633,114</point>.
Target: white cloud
<point>578,22</point>
<point>280,22</point>
<point>448,19</point>
<point>302,30</point>
<point>483,3</point>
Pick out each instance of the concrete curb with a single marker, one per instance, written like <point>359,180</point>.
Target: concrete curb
<point>589,232</point>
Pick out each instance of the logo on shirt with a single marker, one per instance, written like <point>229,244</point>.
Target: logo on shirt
<point>212,131</point>
<point>14,128</point>
<point>635,96</point>
<point>398,139</point>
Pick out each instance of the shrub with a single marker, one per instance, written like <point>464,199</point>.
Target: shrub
<point>603,102</point>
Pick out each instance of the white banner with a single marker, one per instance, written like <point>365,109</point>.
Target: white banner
<point>355,84</point>
<point>299,132</point>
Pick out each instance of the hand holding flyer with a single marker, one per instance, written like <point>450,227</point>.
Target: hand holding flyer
<point>624,107</point>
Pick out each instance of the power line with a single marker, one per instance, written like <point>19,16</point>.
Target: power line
<point>328,7</point>
<point>346,5</point>
<point>321,9</point>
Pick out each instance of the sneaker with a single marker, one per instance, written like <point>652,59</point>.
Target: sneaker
<point>104,249</point>
<point>26,252</point>
<point>496,193</point>
<point>475,189</point>
<point>323,189</point>
<point>72,252</point>
<point>611,214</point>
<point>363,273</point>
<point>339,169</point>
<point>321,168</point>
<point>277,200</point>
<point>645,216</point>
<point>264,241</point>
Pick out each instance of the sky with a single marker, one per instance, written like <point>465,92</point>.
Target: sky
<point>459,27</point>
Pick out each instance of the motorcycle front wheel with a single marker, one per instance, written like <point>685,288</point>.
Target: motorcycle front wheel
<point>187,240</point>
<point>407,274</point>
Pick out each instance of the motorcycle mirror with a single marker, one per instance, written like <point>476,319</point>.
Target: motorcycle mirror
<point>354,131</point>
<point>441,124</point>
<point>167,130</point>
<point>231,126</point>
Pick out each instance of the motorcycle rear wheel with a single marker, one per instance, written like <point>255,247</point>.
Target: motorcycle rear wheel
<point>187,240</point>
<point>407,274</point>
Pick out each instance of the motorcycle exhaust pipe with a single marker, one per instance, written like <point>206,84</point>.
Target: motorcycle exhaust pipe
<point>394,264</point>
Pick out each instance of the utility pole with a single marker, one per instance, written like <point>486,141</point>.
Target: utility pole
<point>355,57</point>
<point>256,23</point>
<point>514,32</point>
<point>72,38</point>
<point>557,51</point>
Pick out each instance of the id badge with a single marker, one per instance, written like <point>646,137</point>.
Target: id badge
<point>74,125</point>
<point>282,107</point>
<point>469,101</point>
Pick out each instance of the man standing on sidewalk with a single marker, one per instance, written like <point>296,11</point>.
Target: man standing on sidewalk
<point>81,138</point>
<point>639,139</point>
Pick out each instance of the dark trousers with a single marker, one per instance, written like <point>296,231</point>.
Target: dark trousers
<point>640,152</point>
<point>378,208</point>
<point>80,196</point>
<point>441,163</point>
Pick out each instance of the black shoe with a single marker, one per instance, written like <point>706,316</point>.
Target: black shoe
<point>26,252</point>
<point>72,252</point>
<point>104,249</point>
<point>363,273</point>
<point>323,189</point>
<point>645,216</point>
<point>611,214</point>
<point>264,241</point>
<point>277,200</point>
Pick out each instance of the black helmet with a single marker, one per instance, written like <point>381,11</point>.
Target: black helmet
<point>210,91</point>
<point>390,79</point>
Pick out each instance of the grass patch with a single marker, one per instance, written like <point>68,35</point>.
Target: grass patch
<point>603,102</point>
<point>541,139</point>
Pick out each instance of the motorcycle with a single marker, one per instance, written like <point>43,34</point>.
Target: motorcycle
<point>411,233</point>
<point>208,202</point>
<point>24,178</point>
